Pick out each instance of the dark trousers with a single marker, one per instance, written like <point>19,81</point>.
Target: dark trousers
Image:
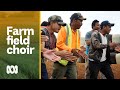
<point>104,67</point>
<point>44,73</point>
<point>60,71</point>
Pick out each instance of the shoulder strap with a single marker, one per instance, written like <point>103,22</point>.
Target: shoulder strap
<point>67,33</point>
<point>69,36</point>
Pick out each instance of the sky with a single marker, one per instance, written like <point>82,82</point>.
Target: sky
<point>111,16</point>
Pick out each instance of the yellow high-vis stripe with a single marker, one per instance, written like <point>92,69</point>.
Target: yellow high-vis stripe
<point>69,36</point>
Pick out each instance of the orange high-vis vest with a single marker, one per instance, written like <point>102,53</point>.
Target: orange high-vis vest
<point>69,41</point>
<point>69,36</point>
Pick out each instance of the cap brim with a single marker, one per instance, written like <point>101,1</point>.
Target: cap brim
<point>112,24</point>
<point>62,23</point>
<point>82,18</point>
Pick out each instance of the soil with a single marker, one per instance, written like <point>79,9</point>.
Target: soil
<point>81,69</point>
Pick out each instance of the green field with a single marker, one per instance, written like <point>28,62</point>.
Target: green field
<point>28,64</point>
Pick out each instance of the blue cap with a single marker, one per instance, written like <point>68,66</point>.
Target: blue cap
<point>105,23</point>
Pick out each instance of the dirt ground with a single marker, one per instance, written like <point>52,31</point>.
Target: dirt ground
<point>81,69</point>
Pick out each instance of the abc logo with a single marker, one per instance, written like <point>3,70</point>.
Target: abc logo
<point>11,69</point>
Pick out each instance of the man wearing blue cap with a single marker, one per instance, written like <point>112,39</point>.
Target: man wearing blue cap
<point>99,52</point>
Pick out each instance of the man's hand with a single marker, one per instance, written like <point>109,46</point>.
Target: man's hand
<point>75,52</point>
<point>71,58</point>
<point>83,48</point>
<point>78,53</point>
<point>81,53</point>
<point>117,48</point>
<point>66,55</point>
<point>49,54</point>
<point>113,45</point>
<point>63,53</point>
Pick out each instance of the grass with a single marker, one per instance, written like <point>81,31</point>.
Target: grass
<point>28,65</point>
<point>4,75</point>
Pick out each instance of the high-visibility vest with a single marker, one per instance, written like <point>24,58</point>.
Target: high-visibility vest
<point>69,42</point>
<point>69,36</point>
